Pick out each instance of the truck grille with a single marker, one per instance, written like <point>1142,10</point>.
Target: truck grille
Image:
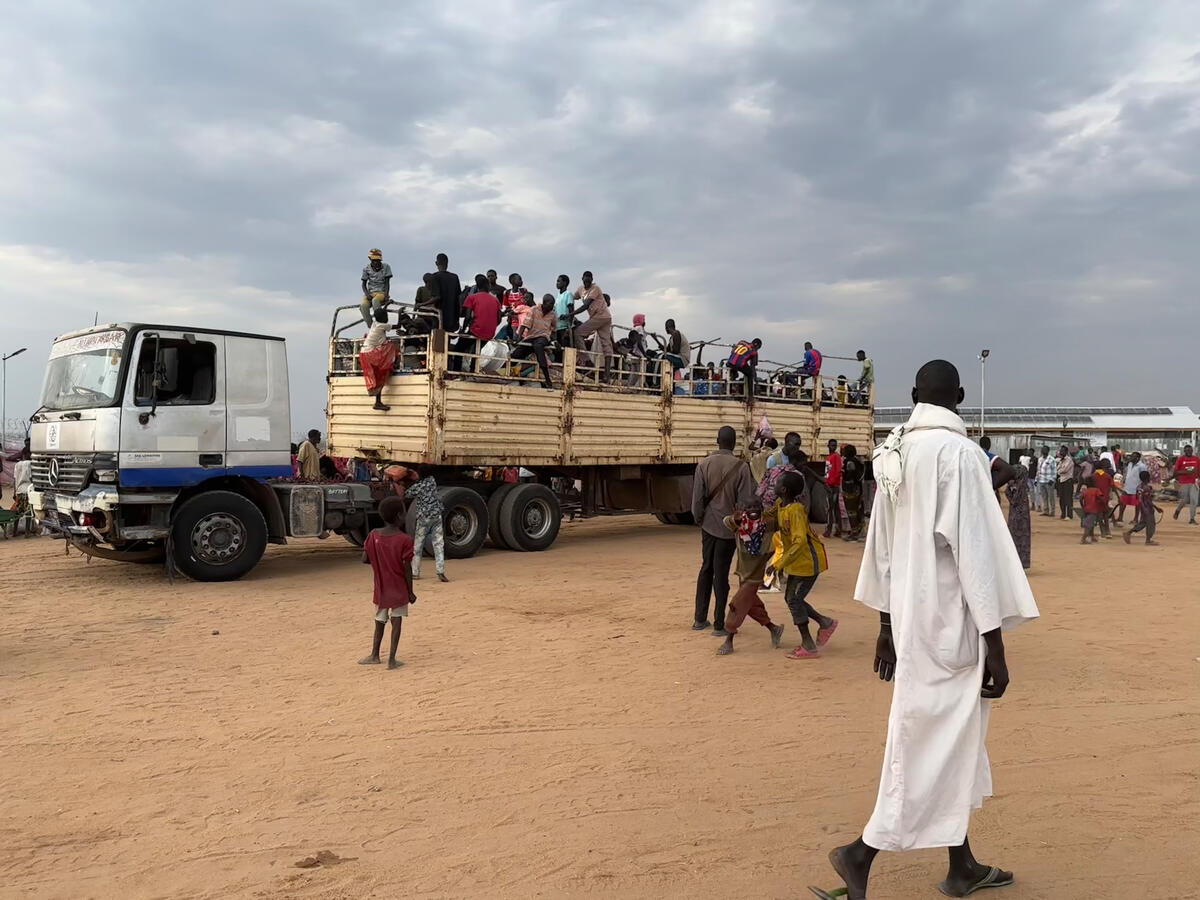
<point>61,474</point>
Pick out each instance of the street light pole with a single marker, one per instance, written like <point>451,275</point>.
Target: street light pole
<point>983,357</point>
<point>4,398</point>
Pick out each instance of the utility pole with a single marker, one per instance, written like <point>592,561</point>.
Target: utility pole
<point>983,357</point>
<point>4,398</point>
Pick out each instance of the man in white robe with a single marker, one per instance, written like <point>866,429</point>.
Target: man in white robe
<point>941,569</point>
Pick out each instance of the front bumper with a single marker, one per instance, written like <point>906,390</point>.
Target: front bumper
<point>61,512</point>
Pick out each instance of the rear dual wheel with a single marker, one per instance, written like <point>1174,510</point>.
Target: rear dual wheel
<point>464,522</point>
<point>524,517</point>
<point>683,518</point>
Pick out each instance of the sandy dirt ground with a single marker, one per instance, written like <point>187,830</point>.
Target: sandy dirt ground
<point>558,731</point>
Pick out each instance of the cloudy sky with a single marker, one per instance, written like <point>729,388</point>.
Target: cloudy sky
<point>916,178</point>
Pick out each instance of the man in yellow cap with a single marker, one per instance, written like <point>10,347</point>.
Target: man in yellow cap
<point>376,285</point>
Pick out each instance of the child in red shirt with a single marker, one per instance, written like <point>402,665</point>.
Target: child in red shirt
<point>1095,505</point>
<point>390,553</point>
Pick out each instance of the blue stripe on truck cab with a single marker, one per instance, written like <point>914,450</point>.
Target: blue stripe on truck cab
<point>186,476</point>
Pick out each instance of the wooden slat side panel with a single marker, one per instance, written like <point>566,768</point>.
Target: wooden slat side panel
<point>695,422</point>
<point>848,426</point>
<point>502,424</point>
<point>629,429</point>
<point>785,417</point>
<point>357,430</point>
<point>498,423</point>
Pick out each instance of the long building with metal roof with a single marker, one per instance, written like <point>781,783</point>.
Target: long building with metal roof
<point>1014,429</point>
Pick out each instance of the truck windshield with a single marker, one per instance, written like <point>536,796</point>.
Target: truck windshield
<point>84,371</point>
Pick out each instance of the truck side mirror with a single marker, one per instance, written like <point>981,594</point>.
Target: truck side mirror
<point>156,379</point>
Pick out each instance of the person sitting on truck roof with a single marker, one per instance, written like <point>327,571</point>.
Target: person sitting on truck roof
<point>514,302</point>
<point>481,317</point>
<point>310,457</point>
<point>677,351</point>
<point>376,284</point>
<point>376,358</point>
<point>425,302</point>
<point>811,367</point>
<point>744,361</point>
<point>536,330</point>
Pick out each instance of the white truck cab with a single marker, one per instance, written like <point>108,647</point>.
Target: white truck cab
<point>156,440</point>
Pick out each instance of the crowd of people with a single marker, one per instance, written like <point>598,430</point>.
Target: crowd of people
<point>493,325</point>
<point>1102,484</point>
<point>757,512</point>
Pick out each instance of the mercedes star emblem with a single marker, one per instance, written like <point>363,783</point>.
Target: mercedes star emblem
<point>52,473</point>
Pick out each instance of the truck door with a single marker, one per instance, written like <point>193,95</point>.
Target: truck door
<point>257,409</point>
<point>173,410</point>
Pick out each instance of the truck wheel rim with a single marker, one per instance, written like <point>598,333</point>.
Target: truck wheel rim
<point>218,538</point>
<point>535,519</point>
<point>461,525</point>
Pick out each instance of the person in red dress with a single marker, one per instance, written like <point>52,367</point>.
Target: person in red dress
<point>389,551</point>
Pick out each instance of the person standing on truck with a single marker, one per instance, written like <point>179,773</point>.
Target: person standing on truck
<point>861,392</point>
<point>494,285</point>
<point>389,552</point>
<point>481,312</point>
<point>536,331</point>
<point>562,306</point>
<point>376,285</point>
<point>721,483</point>
<point>446,288</point>
<point>310,457</point>
<point>599,321</point>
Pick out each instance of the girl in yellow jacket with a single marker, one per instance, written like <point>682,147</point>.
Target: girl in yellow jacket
<point>802,558</point>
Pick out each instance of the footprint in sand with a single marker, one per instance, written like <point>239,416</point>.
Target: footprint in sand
<point>323,858</point>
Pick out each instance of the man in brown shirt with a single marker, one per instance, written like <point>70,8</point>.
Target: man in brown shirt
<point>599,321</point>
<point>721,483</point>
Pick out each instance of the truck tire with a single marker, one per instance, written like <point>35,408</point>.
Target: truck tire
<point>683,518</point>
<point>465,525</point>
<point>218,536</point>
<point>494,505</point>
<point>530,517</point>
<point>357,538</point>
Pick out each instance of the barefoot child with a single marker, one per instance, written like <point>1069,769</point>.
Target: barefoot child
<point>802,560</point>
<point>390,553</point>
<point>753,531</point>
<point>1146,510</point>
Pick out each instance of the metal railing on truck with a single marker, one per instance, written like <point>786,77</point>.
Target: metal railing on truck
<point>469,359</point>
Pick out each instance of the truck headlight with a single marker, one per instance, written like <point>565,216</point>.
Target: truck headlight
<point>104,467</point>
